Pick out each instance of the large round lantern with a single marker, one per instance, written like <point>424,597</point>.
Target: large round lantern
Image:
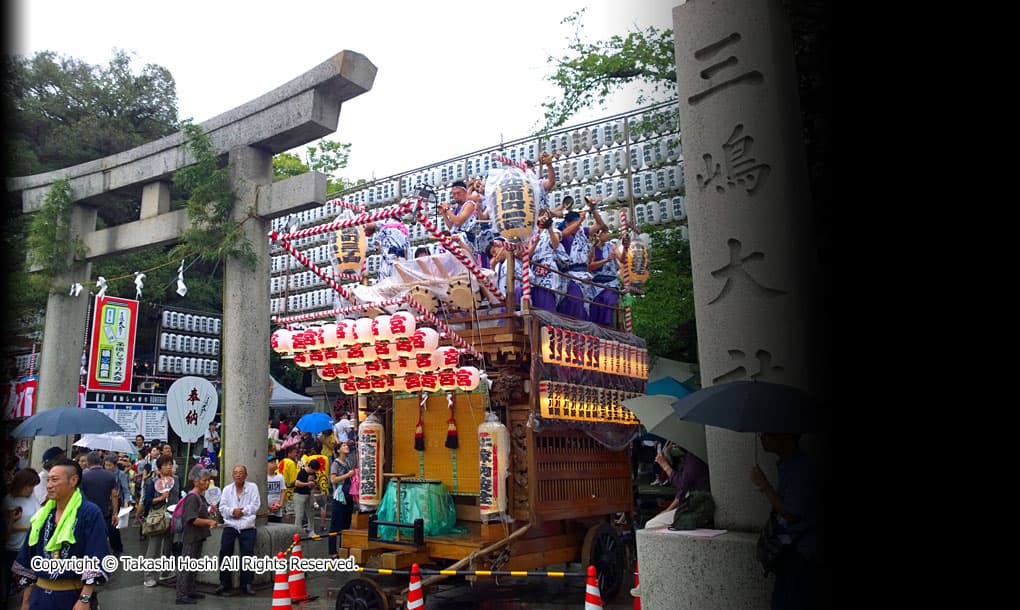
<point>313,338</point>
<point>448,380</point>
<point>399,384</point>
<point>371,449</point>
<point>333,356</point>
<point>402,324</point>
<point>349,387</point>
<point>302,360</point>
<point>404,347</point>
<point>386,351</point>
<point>405,366</point>
<point>326,373</point>
<point>358,371</point>
<point>515,204</point>
<point>638,260</point>
<point>364,386</point>
<point>281,341</point>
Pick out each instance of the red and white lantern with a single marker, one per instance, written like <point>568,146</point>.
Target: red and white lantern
<point>301,359</point>
<point>330,339</point>
<point>445,358</point>
<point>381,330</point>
<point>345,333</point>
<point>425,340</point>
<point>402,324</point>
<point>349,387</point>
<point>363,330</point>
<point>448,380</point>
<point>281,341</point>
<point>468,378</point>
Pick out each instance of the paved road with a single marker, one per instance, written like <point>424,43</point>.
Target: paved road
<point>125,592</point>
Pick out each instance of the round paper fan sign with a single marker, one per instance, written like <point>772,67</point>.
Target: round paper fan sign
<point>164,484</point>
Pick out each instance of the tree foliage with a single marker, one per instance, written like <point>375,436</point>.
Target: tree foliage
<point>591,71</point>
<point>214,234</point>
<point>326,156</point>
<point>664,315</point>
<point>67,111</point>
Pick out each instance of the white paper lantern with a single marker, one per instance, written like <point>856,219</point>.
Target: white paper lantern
<point>317,358</point>
<point>382,384</point>
<point>402,324</point>
<point>399,384</point>
<point>342,370</point>
<point>329,336</point>
<point>313,337</point>
<point>349,387</point>
<point>364,386</point>
<point>358,371</point>
<point>282,341</point>
<point>297,340</point>
<point>386,351</point>
<point>368,353</point>
<point>326,373</point>
<point>302,360</point>
<point>425,340</point>
<point>363,330</point>
<point>448,380</point>
<point>381,328</point>
<point>404,347</point>
<point>355,355</point>
<point>468,378</point>
<point>333,356</point>
<point>345,333</point>
<point>406,366</point>
<point>445,358</point>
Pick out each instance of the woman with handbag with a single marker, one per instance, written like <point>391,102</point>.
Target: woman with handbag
<point>340,474</point>
<point>157,520</point>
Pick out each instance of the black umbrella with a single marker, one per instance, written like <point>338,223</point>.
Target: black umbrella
<point>66,420</point>
<point>752,406</point>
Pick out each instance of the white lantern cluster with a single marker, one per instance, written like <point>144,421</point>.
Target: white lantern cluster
<point>388,353</point>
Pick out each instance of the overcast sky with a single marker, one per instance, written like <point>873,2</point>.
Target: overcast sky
<point>453,76</point>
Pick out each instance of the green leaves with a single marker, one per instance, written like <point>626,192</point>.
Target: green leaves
<point>664,316</point>
<point>214,234</point>
<point>594,70</point>
<point>51,242</point>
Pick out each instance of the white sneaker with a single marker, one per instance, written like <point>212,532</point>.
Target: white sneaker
<point>150,582</point>
<point>656,483</point>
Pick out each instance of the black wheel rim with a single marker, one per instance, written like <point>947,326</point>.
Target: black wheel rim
<point>359,594</point>
<point>607,557</point>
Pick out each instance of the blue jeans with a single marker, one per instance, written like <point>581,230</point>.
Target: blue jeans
<point>246,539</point>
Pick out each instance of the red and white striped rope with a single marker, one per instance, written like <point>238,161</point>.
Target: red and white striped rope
<point>320,315</point>
<point>357,207</point>
<point>315,269</point>
<point>459,254</point>
<point>390,212</point>
<point>522,250</point>
<point>507,161</point>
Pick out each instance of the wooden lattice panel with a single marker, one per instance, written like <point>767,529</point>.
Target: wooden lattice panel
<point>575,476</point>
<point>469,411</point>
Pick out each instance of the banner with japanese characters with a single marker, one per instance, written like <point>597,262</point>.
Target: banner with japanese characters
<point>19,398</point>
<point>113,344</point>
<point>136,412</point>
<point>190,405</point>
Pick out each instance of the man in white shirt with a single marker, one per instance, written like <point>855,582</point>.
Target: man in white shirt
<point>238,504</point>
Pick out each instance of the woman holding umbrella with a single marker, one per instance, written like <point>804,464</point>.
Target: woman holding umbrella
<point>795,514</point>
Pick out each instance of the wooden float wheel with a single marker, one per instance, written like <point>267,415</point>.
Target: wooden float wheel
<point>604,550</point>
<point>362,594</point>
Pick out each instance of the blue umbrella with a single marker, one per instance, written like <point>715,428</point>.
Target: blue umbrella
<point>314,423</point>
<point>66,420</point>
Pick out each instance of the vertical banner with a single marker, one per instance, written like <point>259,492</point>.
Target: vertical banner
<point>113,344</point>
<point>19,398</point>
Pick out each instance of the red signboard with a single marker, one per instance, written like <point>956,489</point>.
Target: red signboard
<point>112,349</point>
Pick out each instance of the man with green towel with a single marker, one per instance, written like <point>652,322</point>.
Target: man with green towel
<point>67,526</point>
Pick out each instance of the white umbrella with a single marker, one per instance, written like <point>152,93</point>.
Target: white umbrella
<point>107,442</point>
<point>658,417</point>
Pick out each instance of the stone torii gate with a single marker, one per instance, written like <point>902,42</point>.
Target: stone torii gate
<point>302,110</point>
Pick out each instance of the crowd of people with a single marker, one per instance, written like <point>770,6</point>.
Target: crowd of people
<point>311,480</point>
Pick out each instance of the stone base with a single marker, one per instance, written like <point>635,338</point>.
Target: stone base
<point>678,571</point>
<point>270,539</point>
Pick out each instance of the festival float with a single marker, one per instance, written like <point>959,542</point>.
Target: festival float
<point>492,434</point>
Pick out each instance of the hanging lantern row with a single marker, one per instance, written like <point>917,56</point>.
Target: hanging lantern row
<point>578,350</point>
<point>559,400</point>
<point>440,359</point>
<point>345,333</point>
<point>464,378</point>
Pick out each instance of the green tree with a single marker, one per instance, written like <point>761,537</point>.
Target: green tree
<point>326,156</point>
<point>664,314</point>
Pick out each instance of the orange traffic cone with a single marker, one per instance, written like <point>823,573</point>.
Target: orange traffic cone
<point>281,590</point>
<point>592,597</point>
<point>414,596</point>
<point>296,578</point>
<point>636,591</point>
